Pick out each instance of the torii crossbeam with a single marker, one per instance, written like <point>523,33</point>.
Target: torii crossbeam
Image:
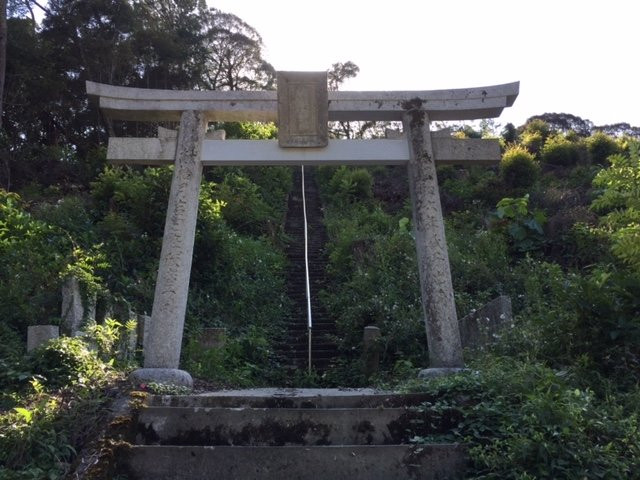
<point>190,149</point>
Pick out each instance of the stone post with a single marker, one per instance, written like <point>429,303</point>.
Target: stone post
<point>443,335</point>
<point>39,334</point>
<point>213,338</point>
<point>72,308</point>
<point>164,341</point>
<point>371,350</point>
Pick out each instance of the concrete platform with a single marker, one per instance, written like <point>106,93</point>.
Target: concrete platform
<point>277,427</point>
<point>393,462</point>
<point>292,398</point>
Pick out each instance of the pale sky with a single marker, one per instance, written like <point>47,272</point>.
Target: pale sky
<point>570,56</point>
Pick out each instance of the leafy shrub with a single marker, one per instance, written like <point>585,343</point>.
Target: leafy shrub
<point>236,281</point>
<point>246,359</point>
<point>620,200</point>
<point>534,135</point>
<point>522,226</point>
<point>373,281</point>
<point>560,151</point>
<point>115,341</point>
<point>537,125</point>
<point>479,262</point>
<point>518,167</point>
<point>244,209</point>
<point>33,445</point>
<point>600,147</point>
<point>35,258</point>
<point>351,184</point>
<point>40,438</point>
<point>533,141</point>
<point>68,361</point>
<point>521,420</point>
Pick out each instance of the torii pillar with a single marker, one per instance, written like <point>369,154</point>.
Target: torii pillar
<point>436,288</point>
<point>163,345</point>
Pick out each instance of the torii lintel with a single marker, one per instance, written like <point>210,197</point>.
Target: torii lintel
<point>139,104</point>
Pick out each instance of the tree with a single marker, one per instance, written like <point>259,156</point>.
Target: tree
<point>175,44</point>
<point>3,52</point>
<point>509,133</point>
<point>341,72</point>
<point>233,59</point>
<point>336,76</point>
<point>565,122</point>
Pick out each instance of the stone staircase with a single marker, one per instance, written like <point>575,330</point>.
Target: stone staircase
<point>294,348</point>
<point>288,434</point>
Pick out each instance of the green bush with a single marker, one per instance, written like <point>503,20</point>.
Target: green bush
<point>518,167</point>
<point>69,361</point>
<point>479,262</point>
<point>351,184</point>
<point>41,437</point>
<point>533,141</point>
<point>36,257</point>
<point>522,420</point>
<point>246,359</point>
<point>560,151</point>
<point>519,223</point>
<point>600,147</point>
<point>534,135</point>
<point>373,281</point>
<point>619,200</point>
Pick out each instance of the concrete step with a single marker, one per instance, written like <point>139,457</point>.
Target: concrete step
<point>376,462</point>
<point>293,398</point>
<point>277,427</point>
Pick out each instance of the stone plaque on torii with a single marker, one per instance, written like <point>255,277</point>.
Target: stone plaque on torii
<point>302,106</point>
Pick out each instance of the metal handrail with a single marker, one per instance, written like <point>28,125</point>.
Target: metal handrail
<point>306,267</point>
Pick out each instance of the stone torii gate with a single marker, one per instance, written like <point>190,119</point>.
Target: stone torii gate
<point>302,107</point>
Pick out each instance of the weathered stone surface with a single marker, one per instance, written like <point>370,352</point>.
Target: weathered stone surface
<point>144,322</point>
<point>371,350</point>
<point>91,307</point>
<point>169,134</point>
<point>257,426</point>
<point>443,335</point>
<point>39,334</point>
<point>303,109</point>
<point>213,337</point>
<point>163,344</point>
<point>428,373</point>
<point>237,106</point>
<point>216,135</point>
<point>350,462</point>
<point>72,307</point>
<point>482,327</point>
<point>165,376</point>
<point>154,151</point>
<point>293,398</point>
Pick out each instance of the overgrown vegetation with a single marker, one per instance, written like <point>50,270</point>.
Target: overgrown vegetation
<point>556,395</point>
<point>555,226</point>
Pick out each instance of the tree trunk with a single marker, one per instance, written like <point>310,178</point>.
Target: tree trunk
<point>3,54</point>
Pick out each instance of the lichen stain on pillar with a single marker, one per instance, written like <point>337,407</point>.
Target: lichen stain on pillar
<point>441,322</point>
<point>172,284</point>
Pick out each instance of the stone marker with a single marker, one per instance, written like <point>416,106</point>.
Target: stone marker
<point>482,327</point>
<point>144,321</point>
<point>303,109</point>
<point>72,308</point>
<point>213,337</point>
<point>371,350</point>
<point>39,334</point>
